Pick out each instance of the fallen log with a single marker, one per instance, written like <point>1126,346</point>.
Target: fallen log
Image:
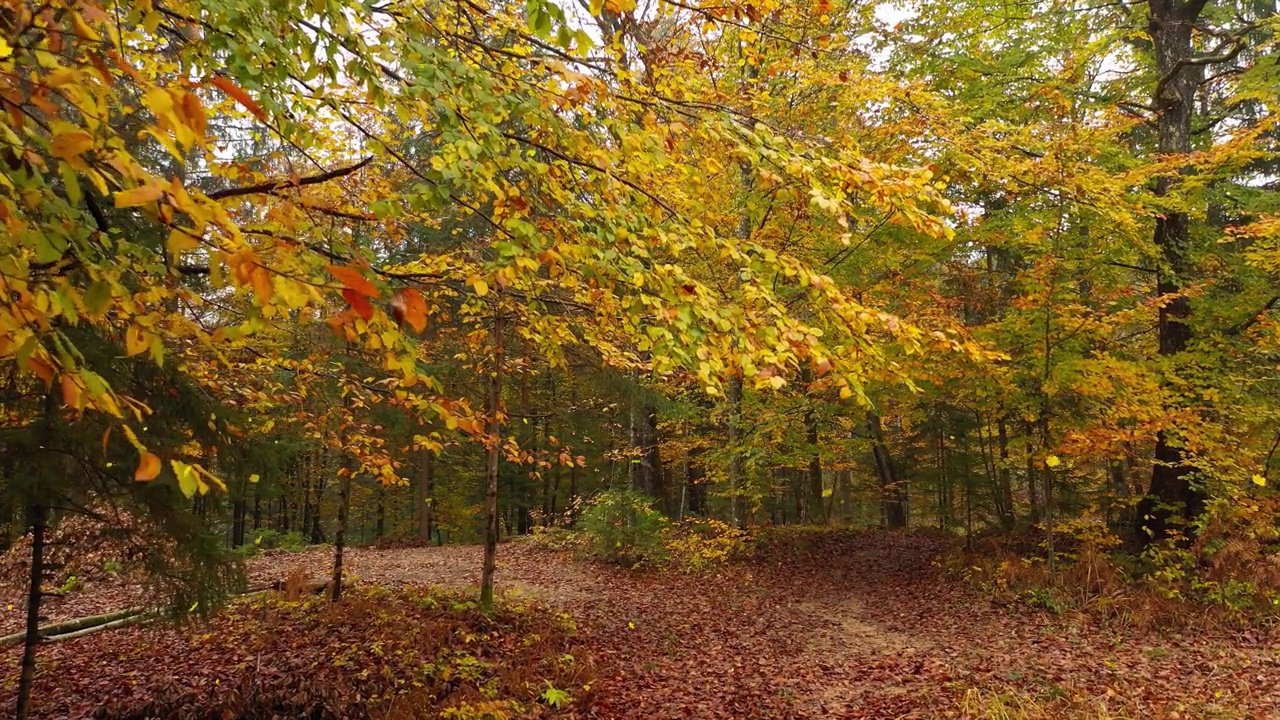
<point>144,617</point>
<point>79,627</point>
<point>66,626</point>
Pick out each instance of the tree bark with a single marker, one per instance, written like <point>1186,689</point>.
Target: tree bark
<point>493,455</point>
<point>425,499</point>
<point>817,510</point>
<point>340,535</point>
<point>1172,493</point>
<point>38,520</point>
<point>1004,477</point>
<point>893,497</point>
<point>736,474</point>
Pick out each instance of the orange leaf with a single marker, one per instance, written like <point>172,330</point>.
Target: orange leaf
<point>262,283</point>
<point>70,392</point>
<point>240,96</point>
<point>353,279</point>
<point>70,144</point>
<point>140,195</point>
<point>194,112</point>
<point>42,369</point>
<point>409,307</point>
<point>148,467</point>
<point>359,303</point>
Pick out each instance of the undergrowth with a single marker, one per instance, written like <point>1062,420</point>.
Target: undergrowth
<point>1229,575</point>
<point>407,653</point>
<point>622,527</point>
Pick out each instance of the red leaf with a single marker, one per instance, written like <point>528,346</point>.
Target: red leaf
<point>359,303</point>
<point>354,280</point>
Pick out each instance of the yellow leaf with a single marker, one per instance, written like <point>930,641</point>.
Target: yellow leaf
<point>1259,480</point>
<point>481,287</point>
<point>181,241</point>
<point>187,480</point>
<point>140,195</point>
<point>1052,461</point>
<point>148,467</point>
<point>135,341</point>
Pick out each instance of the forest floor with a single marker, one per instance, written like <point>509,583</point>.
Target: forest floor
<point>875,631</point>
<point>869,631</point>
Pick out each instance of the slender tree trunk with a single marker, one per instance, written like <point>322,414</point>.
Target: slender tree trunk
<point>493,456</point>
<point>320,470</point>
<point>736,474</point>
<point>818,510</point>
<point>893,497</point>
<point>38,520</point>
<point>380,522</point>
<point>1172,492</point>
<point>1033,481</point>
<point>425,500</point>
<point>1004,476</point>
<point>340,535</point>
<point>695,481</point>
<point>257,507</point>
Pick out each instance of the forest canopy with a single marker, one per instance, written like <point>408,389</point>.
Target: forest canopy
<point>452,271</point>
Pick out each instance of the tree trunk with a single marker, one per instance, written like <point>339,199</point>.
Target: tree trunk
<point>695,480</point>
<point>380,524</point>
<point>319,468</point>
<point>1171,492</point>
<point>1004,477</point>
<point>736,474</point>
<point>817,510</point>
<point>340,535</point>
<point>425,499</point>
<point>893,497</point>
<point>257,507</point>
<point>493,455</point>
<point>38,521</point>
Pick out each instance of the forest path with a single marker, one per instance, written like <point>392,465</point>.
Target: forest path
<point>866,632</point>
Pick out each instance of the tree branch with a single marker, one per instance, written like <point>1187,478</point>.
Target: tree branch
<point>273,185</point>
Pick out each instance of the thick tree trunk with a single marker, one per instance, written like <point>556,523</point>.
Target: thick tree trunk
<point>1172,500</point>
<point>340,535</point>
<point>646,461</point>
<point>893,497</point>
<point>38,520</point>
<point>491,472</point>
<point>817,511</point>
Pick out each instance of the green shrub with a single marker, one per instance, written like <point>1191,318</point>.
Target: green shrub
<point>622,526</point>
<point>267,539</point>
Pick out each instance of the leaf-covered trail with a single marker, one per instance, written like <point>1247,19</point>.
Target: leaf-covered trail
<point>866,632</point>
